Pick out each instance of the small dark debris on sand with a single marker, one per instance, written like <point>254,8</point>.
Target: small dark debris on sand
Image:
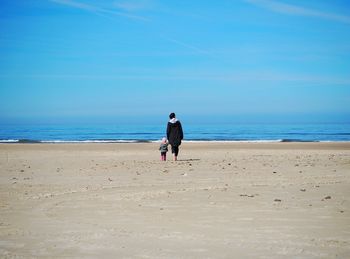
<point>327,198</point>
<point>246,195</point>
<point>277,200</point>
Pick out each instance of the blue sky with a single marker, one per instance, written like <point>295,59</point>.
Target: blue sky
<point>248,60</point>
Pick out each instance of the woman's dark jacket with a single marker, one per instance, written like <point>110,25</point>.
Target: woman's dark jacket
<point>174,133</point>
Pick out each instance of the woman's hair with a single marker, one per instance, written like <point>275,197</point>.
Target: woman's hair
<point>172,115</point>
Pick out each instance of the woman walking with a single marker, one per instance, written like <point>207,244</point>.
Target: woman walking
<point>174,134</point>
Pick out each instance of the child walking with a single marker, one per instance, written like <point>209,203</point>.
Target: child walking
<point>163,149</point>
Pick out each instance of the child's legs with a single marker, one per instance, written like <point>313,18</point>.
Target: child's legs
<point>163,156</point>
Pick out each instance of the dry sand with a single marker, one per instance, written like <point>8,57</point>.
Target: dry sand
<point>221,200</point>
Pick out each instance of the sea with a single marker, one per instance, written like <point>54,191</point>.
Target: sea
<point>115,133</point>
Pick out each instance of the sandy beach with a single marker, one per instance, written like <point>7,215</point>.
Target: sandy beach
<point>220,200</point>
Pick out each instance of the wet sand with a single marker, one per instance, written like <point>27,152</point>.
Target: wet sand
<point>220,200</point>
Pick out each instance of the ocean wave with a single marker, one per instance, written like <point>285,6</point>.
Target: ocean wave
<point>232,140</point>
<point>70,141</point>
<point>30,141</point>
<point>96,141</point>
<point>8,140</point>
<point>298,140</point>
<point>18,141</point>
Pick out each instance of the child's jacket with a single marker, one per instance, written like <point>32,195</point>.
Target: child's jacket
<point>163,147</point>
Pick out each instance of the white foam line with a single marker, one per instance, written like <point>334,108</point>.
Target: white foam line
<point>89,141</point>
<point>235,141</point>
<point>8,140</point>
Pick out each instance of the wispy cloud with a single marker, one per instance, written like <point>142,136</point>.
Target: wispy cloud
<point>98,10</point>
<point>191,47</point>
<point>133,5</point>
<point>188,46</point>
<point>284,8</point>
